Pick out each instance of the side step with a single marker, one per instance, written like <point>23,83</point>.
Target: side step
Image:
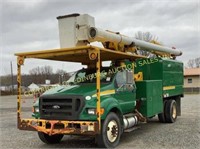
<point>131,129</point>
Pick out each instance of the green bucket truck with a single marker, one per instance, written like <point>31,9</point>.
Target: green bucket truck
<point>103,101</point>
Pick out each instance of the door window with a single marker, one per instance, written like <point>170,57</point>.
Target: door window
<point>121,78</point>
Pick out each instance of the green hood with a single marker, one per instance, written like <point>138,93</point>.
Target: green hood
<point>81,89</point>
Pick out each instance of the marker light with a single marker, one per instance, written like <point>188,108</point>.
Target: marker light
<point>93,56</point>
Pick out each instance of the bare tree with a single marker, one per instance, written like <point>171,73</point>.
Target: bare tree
<point>62,75</point>
<point>194,63</point>
<point>145,36</point>
<point>197,62</point>
<point>60,72</point>
<point>35,71</point>
<point>190,63</point>
<point>47,70</point>
<point>40,74</point>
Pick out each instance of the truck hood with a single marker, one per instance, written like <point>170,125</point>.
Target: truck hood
<point>81,89</point>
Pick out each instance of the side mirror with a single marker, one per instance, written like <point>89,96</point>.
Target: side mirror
<point>129,77</point>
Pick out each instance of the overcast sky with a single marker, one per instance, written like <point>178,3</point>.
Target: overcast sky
<point>28,25</point>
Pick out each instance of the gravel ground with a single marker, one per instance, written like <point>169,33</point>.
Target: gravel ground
<point>184,133</point>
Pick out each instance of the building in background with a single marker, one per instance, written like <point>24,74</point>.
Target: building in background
<point>192,80</point>
<point>33,87</point>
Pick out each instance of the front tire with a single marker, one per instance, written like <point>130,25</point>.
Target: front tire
<point>54,139</point>
<point>110,132</point>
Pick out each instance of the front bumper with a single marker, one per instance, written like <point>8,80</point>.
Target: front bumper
<point>52,127</point>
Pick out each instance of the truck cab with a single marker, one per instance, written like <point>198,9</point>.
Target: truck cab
<point>77,96</point>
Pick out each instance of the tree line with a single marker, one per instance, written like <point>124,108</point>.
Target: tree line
<point>37,75</point>
<point>194,63</point>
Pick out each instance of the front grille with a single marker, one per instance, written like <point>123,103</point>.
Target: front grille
<point>57,107</point>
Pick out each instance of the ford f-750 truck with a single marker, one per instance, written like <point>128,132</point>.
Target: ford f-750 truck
<point>100,101</point>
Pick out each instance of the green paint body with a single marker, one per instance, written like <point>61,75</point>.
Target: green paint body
<point>157,73</point>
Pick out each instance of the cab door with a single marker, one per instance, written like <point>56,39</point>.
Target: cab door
<point>125,92</point>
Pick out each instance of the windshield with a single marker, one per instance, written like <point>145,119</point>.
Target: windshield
<point>89,76</point>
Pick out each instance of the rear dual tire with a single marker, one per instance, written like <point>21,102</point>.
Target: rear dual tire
<point>161,116</point>
<point>171,111</point>
<point>169,114</point>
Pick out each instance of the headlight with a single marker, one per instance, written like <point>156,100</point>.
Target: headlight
<point>37,109</point>
<point>92,111</point>
<point>88,97</point>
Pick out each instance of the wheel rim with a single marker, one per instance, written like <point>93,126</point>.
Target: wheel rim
<point>174,111</point>
<point>112,131</point>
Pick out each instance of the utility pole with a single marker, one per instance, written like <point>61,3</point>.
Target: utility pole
<point>12,77</point>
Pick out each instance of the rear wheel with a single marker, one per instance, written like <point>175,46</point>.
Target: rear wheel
<point>171,111</point>
<point>110,132</point>
<point>50,139</point>
<point>161,116</point>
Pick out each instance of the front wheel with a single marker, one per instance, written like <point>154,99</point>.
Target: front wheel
<point>110,132</point>
<point>50,139</point>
